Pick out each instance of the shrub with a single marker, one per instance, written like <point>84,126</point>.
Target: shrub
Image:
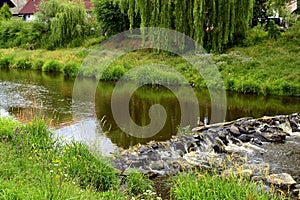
<point>23,63</point>
<point>17,33</point>
<point>71,69</point>
<point>52,66</point>
<point>113,73</point>
<point>6,62</point>
<point>255,36</point>
<point>37,64</point>
<point>273,30</point>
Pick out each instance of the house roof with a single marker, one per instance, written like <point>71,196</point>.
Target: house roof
<point>30,7</point>
<point>19,5</point>
<point>9,3</point>
<point>88,4</point>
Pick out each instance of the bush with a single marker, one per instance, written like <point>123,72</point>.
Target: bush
<point>23,63</point>
<point>37,64</point>
<point>52,66</point>
<point>110,17</point>
<point>17,33</point>
<point>273,30</point>
<point>113,73</point>
<point>255,36</point>
<point>71,69</point>
<point>6,62</point>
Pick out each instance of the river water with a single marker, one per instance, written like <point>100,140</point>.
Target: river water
<point>25,94</point>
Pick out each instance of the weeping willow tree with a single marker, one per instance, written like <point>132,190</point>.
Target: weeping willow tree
<point>66,21</point>
<point>214,24</point>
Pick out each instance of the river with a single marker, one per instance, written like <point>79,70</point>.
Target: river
<point>25,94</point>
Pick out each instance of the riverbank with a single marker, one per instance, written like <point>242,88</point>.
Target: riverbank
<point>264,67</point>
<point>35,165</point>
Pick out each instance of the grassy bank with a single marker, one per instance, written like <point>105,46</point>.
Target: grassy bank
<point>266,66</point>
<point>35,166</point>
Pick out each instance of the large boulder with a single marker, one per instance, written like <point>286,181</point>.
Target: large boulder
<point>282,180</point>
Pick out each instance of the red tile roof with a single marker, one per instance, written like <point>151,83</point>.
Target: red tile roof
<point>30,7</point>
<point>88,4</point>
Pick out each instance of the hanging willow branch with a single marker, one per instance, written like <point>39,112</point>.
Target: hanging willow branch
<point>215,24</point>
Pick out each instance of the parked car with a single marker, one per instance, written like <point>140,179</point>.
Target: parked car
<point>283,25</point>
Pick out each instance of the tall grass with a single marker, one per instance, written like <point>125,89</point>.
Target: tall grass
<point>204,186</point>
<point>33,165</point>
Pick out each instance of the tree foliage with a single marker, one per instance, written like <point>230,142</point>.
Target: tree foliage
<point>259,12</point>
<point>112,19</point>
<point>66,21</point>
<point>214,24</point>
<point>5,13</point>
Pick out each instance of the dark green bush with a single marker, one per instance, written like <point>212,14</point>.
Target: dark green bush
<point>71,69</point>
<point>52,66</point>
<point>255,36</point>
<point>17,33</point>
<point>110,17</point>
<point>37,64</point>
<point>113,73</point>
<point>273,30</point>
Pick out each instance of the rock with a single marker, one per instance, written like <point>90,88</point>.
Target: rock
<point>295,192</point>
<point>286,127</point>
<point>234,172</point>
<point>276,136</point>
<point>282,180</point>
<point>245,137</point>
<point>242,129</point>
<point>234,130</point>
<point>158,165</point>
<point>256,141</point>
<point>257,178</point>
<point>294,126</point>
<point>297,186</point>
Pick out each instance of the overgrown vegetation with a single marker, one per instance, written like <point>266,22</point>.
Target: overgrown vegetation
<point>33,165</point>
<point>266,66</point>
<point>57,24</point>
<point>200,186</point>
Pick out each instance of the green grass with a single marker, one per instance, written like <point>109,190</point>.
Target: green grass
<point>35,166</point>
<point>204,186</point>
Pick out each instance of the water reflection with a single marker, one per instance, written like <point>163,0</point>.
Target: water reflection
<point>33,93</point>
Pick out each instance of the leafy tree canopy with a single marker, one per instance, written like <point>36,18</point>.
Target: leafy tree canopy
<point>5,13</point>
<point>66,21</point>
<point>215,24</point>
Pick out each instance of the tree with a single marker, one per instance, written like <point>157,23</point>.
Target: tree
<point>5,13</point>
<point>215,24</point>
<point>66,22</point>
<point>259,12</point>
